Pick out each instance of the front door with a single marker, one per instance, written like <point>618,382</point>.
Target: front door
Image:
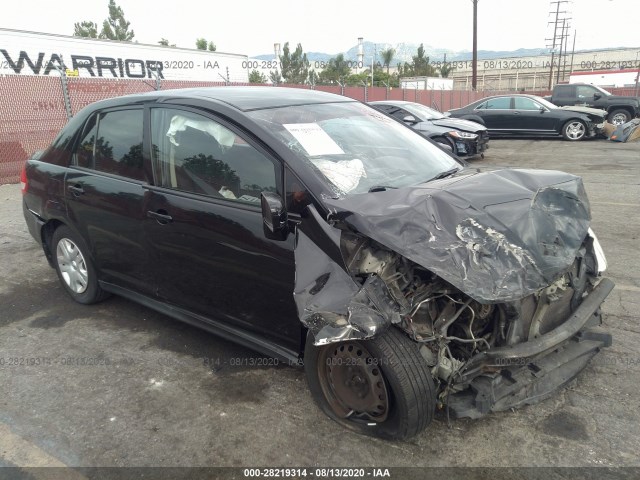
<point>204,226</point>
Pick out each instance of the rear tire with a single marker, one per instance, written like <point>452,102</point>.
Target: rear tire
<point>618,117</point>
<point>380,387</point>
<point>75,268</point>
<point>574,130</point>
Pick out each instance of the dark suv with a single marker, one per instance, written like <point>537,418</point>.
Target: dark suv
<point>313,228</point>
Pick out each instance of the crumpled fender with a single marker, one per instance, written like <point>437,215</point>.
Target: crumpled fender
<point>332,305</point>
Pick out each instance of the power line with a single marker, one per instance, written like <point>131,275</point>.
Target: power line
<point>560,21</point>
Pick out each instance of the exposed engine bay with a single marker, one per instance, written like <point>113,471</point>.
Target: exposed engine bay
<point>496,275</point>
<point>453,327</point>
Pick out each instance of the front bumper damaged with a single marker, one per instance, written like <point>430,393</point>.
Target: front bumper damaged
<point>527,373</point>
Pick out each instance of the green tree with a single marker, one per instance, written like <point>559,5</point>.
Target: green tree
<point>275,77</point>
<point>115,27</point>
<point>446,69</point>
<point>211,47</point>
<point>257,77</point>
<point>201,43</point>
<point>86,29</point>
<point>357,79</point>
<point>294,66</point>
<point>419,66</point>
<point>387,57</point>
<point>336,70</point>
<point>165,43</point>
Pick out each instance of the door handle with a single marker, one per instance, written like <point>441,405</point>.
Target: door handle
<point>161,216</point>
<point>516,113</point>
<point>76,189</point>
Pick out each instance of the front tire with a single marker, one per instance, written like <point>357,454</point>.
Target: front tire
<point>380,387</point>
<point>449,145</point>
<point>574,130</point>
<point>618,117</point>
<point>75,268</point>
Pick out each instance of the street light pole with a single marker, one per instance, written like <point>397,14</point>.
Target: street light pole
<point>474,60</point>
<point>276,49</point>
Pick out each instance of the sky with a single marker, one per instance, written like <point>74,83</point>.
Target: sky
<point>251,27</point>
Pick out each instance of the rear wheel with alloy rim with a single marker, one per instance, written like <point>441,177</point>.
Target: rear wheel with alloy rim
<point>574,130</point>
<point>380,387</point>
<point>74,267</point>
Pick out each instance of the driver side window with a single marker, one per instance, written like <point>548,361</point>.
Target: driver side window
<point>585,91</point>
<point>195,154</point>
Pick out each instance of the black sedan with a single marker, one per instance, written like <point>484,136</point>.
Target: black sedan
<point>318,230</point>
<point>463,137</point>
<point>528,115</point>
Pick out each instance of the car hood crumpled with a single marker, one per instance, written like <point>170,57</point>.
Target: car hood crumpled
<point>497,235</point>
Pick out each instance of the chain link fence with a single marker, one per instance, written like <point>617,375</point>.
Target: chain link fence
<point>33,109</point>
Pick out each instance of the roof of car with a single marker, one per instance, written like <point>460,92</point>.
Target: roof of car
<point>256,98</point>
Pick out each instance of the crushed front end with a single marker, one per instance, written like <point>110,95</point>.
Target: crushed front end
<point>496,275</point>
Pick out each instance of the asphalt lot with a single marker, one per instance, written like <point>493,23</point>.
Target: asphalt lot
<point>166,394</point>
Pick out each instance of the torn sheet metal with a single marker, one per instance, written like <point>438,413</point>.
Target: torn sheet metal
<point>497,235</point>
<point>596,114</point>
<point>330,303</point>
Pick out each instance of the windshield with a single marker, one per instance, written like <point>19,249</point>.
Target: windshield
<point>422,111</point>
<point>354,147</point>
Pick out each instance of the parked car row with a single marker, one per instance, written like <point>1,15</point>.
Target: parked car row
<point>464,138</point>
<point>316,229</point>
<point>528,115</point>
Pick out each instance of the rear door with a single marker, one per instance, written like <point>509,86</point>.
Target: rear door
<point>105,196</point>
<point>204,225</point>
<point>496,114</point>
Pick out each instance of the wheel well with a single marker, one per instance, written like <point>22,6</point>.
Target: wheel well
<point>574,120</point>
<point>47,234</point>
<point>621,107</point>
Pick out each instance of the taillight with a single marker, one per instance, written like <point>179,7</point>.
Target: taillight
<point>23,179</point>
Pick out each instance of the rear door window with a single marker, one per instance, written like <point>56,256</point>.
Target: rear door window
<point>500,103</point>
<point>112,143</point>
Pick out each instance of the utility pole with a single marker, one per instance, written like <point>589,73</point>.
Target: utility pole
<point>474,60</point>
<point>555,23</point>
<point>573,51</point>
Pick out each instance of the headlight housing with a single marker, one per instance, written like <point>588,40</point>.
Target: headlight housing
<point>599,253</point>
<point>463,135</point>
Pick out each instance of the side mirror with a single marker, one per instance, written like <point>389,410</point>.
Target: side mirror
<point>274,216</point>
<point>542,110</point>
<point>596,96</point>
<point>410,119</point>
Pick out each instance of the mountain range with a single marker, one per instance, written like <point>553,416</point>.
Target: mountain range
<point>405,52</point>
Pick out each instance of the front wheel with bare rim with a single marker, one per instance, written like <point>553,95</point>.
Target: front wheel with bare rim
<point>380,387</point>
<point>74,267</point>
